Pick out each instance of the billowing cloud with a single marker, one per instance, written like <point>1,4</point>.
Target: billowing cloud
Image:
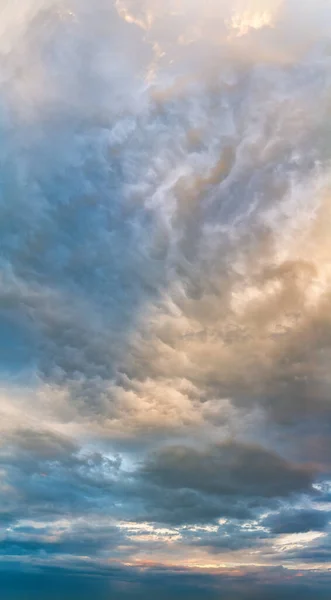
<point>165,292</point>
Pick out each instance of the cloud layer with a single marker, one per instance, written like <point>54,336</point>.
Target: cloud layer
<point>165,288</point>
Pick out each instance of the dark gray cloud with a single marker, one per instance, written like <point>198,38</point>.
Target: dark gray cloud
<point>82,581</point>
<point>230,468</point>
<point>232,535</point>
<point>183,505</point>
<point>187,484</point>
<point>297,521</point>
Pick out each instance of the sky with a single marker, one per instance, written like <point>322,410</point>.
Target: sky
<point>165,299</point>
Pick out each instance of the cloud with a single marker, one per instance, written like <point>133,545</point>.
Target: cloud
<point>152,246</point>
<point>228,469</point>
<point>165,287</point>
<point>79,539</point>
<point>299,521</point>
<point>187,484</point>
<point>143,583</point>
<point>46,474</point>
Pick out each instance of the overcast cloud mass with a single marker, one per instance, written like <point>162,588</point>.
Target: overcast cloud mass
<point>165,299</point>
